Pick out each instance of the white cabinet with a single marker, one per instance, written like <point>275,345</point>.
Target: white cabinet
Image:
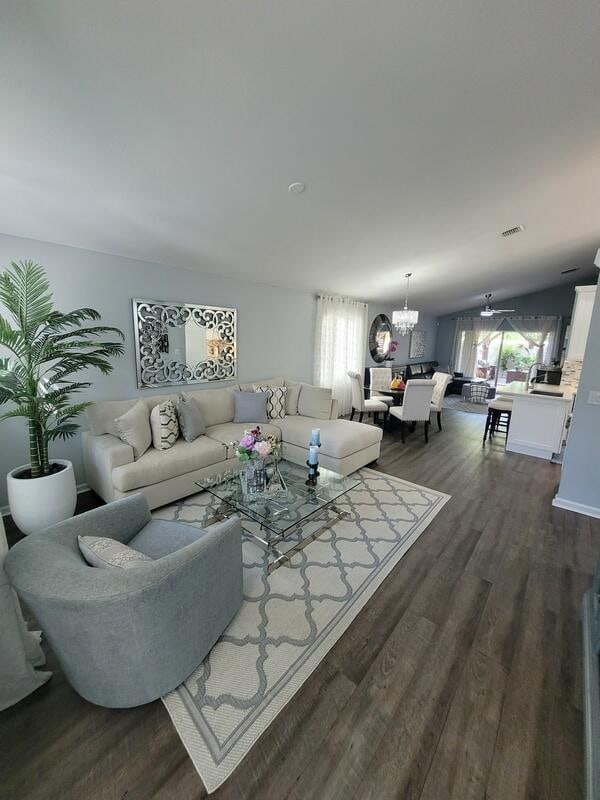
<point>537,425</point>
<point>580,322</point>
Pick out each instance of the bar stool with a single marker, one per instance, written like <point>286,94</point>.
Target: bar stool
<point>498,417</point>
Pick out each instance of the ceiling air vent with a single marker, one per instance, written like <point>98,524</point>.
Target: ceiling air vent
<point>512,231</point>
<point>567,271</point>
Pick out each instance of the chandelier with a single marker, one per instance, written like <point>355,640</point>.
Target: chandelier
<point>405,320</point>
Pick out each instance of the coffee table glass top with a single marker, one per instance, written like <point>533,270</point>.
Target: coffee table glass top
<point>290,507</point>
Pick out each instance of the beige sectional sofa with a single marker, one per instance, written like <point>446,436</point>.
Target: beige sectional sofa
<point>164,476</point>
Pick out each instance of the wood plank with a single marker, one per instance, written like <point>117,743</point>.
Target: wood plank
<point>359,730</point>
<point>461,763</point>
<point>399,767</point>
<point>523,730</point>
<point>502,616</point>
<point>356,650</point>
<point>293,740</point>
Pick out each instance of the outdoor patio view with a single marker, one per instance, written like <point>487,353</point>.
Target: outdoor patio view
<point>500,357</point>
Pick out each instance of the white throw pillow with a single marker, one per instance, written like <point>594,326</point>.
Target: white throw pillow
<point>164,425</point>
<point>292,396</point>
<point>100,551</point>
<point>101,416</point>
<point>275,400</point>
<point>133,428</point>
<point>216,405</point>
<point>314,402</point>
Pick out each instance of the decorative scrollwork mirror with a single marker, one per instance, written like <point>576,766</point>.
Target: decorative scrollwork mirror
<point>179,343</point>
<point>380,338</point>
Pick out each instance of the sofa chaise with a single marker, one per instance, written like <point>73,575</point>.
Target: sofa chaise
<point>164,476</point>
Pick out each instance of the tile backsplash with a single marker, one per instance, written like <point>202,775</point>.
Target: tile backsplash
<point>570,374</point>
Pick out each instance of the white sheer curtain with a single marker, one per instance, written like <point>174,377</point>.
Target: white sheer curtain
<point>340,345</point>
<point>478,332</point>
<point>540,332</point>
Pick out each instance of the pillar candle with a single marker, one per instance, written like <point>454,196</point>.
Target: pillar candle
<point>313,454</point>
<point>315,436</point>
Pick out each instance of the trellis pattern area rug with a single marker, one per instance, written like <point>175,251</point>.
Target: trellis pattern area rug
<point>291,618</point>
<point>455,402</point>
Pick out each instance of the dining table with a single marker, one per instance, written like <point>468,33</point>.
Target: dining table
<point>397,395</point>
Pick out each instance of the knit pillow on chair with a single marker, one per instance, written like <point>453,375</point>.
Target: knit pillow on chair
<point>479,392</point>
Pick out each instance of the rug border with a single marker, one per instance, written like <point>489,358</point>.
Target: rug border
<point>176,708</point>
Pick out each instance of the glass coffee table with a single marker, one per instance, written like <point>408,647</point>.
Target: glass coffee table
<point>280,516</point>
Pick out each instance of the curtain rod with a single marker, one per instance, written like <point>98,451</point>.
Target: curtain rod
<point>336,298</point>
<point>509,316</point>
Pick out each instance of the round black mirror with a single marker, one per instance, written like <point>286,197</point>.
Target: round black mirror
<point>380,339</point>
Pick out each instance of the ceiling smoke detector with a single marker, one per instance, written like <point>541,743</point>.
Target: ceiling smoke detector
<point>512,231</point>
<point>296,187</point>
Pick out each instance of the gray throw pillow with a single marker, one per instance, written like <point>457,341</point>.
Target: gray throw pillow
<point>191,423</point>
<point>100,551</point>
<point>250,406</point>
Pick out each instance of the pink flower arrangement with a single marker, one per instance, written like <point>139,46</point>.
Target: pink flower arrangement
<point>262,448</point>
<point>254,444</point>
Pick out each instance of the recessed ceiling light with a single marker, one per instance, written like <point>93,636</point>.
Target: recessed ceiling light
<point>296,187</point>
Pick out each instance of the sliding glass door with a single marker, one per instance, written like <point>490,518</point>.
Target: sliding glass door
<point>501,356</point>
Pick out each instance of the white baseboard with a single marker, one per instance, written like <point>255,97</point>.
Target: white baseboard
<point>81,487</point>
<point>527,449</point>
<point>578,508</point>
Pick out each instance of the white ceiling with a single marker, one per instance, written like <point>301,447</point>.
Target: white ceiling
<point>169,131</point>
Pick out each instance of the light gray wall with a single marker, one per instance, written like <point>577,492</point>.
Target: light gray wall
<point>275,325</point>
<point>580,476</point>
<point>557,301</point>
<point>426,323</point>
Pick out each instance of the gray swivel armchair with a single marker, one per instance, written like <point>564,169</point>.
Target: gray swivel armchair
<point>125,637</point>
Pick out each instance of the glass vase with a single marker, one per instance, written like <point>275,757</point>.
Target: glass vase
<point>254,477</point>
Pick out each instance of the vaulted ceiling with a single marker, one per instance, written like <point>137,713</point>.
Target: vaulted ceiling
<point>169,131</point>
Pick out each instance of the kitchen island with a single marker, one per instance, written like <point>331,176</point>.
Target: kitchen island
<point>538,419</point>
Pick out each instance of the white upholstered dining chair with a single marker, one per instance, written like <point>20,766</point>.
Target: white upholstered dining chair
<point>416,406</point>
<point>381,377</point>
<point>441,381</point>
<point>360,404</point>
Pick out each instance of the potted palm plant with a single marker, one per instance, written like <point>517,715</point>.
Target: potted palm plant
<point>46,349</point>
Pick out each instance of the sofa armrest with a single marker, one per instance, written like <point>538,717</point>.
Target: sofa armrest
<point>101,454</point>
<point>220,546</point>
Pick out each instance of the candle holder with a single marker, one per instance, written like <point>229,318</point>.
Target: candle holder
<point>313,469</point>
<point>313,473</point>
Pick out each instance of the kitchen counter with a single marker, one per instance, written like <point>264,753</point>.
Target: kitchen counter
<point>547,390</point>
<point>537,423</point>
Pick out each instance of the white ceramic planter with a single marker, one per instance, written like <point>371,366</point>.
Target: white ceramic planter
<point>39,502</point>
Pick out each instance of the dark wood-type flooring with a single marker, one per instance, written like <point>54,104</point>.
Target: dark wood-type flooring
<point>461,679</point>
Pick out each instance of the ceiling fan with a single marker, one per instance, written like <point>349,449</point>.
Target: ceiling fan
<point>488,311</point>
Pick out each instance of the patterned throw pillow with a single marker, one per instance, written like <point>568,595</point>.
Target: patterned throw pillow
<point>275,400</point>
<point>100,551</point>
<point>165,428</point>
<point>479,392</point>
